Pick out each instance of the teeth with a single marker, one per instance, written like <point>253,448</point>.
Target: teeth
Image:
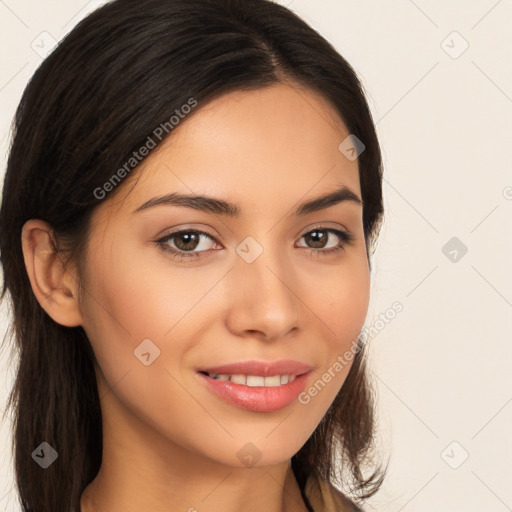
<point>238,379</point>
<point>255,380</point>
<point>275,380</point>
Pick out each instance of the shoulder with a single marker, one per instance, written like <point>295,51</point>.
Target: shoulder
<point>324,497</point>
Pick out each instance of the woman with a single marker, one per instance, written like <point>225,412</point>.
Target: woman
<point>188,213</point>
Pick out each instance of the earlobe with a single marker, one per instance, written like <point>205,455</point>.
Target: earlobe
<point>54,287</point>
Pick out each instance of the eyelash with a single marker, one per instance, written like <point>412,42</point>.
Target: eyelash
<point>346,239</point>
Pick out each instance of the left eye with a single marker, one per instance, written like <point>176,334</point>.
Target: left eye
<point>317,236</point>
<point>186,241</point>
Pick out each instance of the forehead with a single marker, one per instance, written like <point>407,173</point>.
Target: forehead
<point>263,147</point>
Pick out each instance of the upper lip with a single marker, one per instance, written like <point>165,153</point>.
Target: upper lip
<point>259,368</point>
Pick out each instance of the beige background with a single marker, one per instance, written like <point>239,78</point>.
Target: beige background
<point>443,365</point>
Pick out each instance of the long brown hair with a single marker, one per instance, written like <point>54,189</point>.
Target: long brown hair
<point>121,72</point>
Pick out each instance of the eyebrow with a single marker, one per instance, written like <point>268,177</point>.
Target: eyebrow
<point>221,207</point>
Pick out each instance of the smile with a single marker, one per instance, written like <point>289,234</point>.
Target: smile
<point>255,392</point>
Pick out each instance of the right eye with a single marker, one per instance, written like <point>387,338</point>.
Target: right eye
<point>185,241</point>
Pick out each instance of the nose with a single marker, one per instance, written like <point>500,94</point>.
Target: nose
<point>264,299</point>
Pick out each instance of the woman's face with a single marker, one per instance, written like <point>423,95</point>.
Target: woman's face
<point>263,285</point>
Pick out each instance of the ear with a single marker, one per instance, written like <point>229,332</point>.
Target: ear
<point>54,287</point>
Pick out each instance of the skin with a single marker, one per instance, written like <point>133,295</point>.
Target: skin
<point>169,443</point>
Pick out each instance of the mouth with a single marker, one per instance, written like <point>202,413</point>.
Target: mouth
<point>257,385</point>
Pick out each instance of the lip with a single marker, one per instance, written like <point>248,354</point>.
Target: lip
<point>257,398</point>
<point>260,368</point>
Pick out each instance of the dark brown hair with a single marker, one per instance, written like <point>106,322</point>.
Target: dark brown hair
<point>120,73</point>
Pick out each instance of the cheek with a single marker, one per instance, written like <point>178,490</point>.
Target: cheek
<point>130,301</point>
<point>136,292</point>
<point>340,298</point>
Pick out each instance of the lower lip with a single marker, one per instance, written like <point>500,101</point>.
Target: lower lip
<point>257,398</point>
